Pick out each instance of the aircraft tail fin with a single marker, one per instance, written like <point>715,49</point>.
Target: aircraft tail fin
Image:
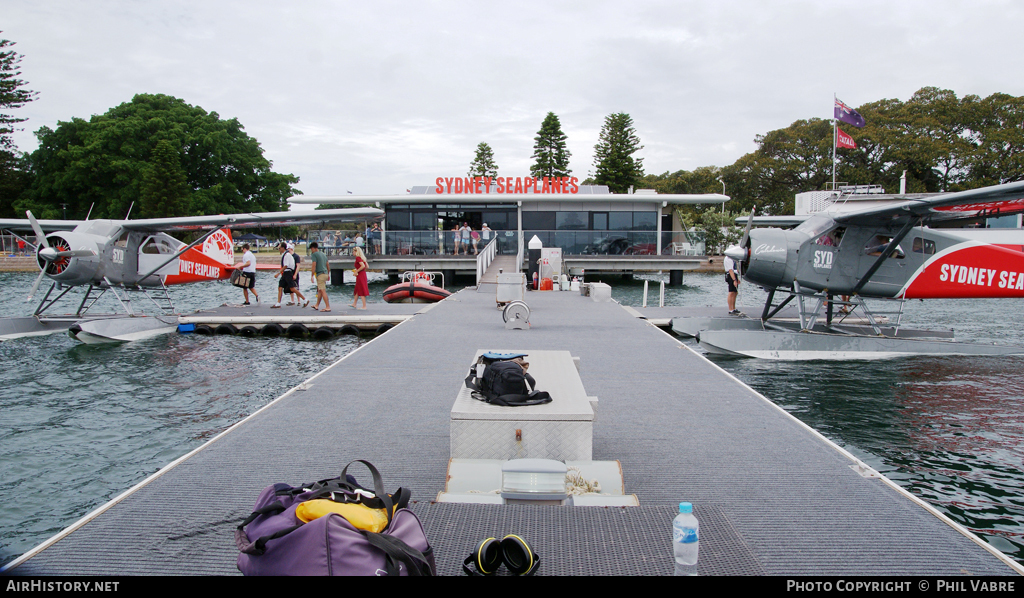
<point>220,247</point>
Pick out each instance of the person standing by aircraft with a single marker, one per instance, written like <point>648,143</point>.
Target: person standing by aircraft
<point>248,268</point>
<point>732,280</point>
<point>319,273</point>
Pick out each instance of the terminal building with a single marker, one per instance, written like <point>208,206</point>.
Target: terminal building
<point>596,230</point>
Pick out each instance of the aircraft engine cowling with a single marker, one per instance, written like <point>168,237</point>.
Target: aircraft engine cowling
<point>767,253</point>
<point>70,270</point>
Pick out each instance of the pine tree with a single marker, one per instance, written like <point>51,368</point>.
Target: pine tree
<point>483,164</point>
<point>13,176</point>
<point>164,190</point>
<point>614,163</point>
<point>549,151</point>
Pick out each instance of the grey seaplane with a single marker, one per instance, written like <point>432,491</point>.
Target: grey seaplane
<point>134,259</point>
<point>821,275</point>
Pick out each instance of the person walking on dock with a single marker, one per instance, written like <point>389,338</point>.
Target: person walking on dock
<point>319,272</point>
<point>362,286</point>
<point>286,273</point>
<point>295,287</point>
<point>248,268</point>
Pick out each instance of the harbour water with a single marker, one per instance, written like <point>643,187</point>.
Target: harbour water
<point>83,423</point>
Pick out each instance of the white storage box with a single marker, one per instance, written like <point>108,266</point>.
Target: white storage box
<point>600,291</point>
<point>511,287</point>
<point>562,429</point>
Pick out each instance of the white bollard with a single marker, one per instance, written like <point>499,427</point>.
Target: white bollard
<point>645,293</point>
<point>661,302</point>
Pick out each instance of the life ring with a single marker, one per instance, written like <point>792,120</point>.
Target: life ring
<point>424,277</point>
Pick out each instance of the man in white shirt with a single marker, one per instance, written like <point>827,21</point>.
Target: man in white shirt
<point>248,268</point>
<point>286,273</point>
<point>732,281</point>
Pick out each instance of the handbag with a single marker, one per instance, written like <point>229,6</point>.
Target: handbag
<point>238,280</point>
<point>273,540</point>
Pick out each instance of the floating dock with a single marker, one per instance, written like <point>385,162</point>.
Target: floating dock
<point>772,495</point>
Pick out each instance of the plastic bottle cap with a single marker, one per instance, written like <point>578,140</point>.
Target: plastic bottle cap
<point>685,507</point>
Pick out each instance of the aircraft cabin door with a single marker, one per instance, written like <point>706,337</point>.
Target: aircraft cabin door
<point>154,251</point>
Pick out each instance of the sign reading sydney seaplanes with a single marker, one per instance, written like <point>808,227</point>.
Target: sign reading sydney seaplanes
<point>519,184</point>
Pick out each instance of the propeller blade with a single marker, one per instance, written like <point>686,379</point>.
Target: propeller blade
<point>35,285</point>
<point>746,231</point>
<point>40,236</point>
<point>76,253</point>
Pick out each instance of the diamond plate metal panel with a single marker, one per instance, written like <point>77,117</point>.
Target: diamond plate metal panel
<point>562,440</point>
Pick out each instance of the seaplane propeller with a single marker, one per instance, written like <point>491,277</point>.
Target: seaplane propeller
<point>52,259</point>
<point>741,253</point>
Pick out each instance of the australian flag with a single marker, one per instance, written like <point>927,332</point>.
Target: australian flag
<point>848,115</point>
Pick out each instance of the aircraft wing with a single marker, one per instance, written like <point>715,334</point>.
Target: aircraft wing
<point>997,200</point>
<point>252,220</point>
<point>776,221</point>
<point>48,226</point>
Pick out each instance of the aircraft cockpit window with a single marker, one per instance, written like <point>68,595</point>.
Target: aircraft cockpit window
<point>122,241</point>
<point>831,238</point>
<point>154,246</point>
<point>815,226</point>
<point>923,246</point>
<point>878,244</point>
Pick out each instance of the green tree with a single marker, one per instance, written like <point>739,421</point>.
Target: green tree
<point>549,150</point>
<point>14,177</point>
<point>483,164</point>
<point>104,161</point>
<point>614,164</point>
<point>164,189</point>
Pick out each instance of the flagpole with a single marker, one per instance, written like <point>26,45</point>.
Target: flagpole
<point>835,140</point>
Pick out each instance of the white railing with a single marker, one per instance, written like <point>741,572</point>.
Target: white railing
<point>485,257</point>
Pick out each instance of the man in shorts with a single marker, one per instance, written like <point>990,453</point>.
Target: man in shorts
<point>286,273</point>
<point>295,287</point>
<point>732,280</point>
<point>320,273</point>
<point>248,268</point>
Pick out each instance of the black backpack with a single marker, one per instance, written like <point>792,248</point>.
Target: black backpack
<point>504,382</point>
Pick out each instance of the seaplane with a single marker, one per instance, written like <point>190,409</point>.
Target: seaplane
<point>135,259</point>
<point>833,262</point>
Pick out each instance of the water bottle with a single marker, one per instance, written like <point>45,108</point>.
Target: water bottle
<point>685,540</point>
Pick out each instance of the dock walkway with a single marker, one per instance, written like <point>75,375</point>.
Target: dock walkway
<point>772,495</point>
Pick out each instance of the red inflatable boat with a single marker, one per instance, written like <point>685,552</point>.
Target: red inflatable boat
<point>416,287</point>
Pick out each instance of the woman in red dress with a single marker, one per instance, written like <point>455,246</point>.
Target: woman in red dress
<point>362,287</point>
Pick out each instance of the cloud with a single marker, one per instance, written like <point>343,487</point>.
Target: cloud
<point>377,97</point>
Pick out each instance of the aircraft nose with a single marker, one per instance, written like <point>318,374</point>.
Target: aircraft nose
<point>737,253</point>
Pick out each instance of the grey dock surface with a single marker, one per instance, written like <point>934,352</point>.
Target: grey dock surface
<point>773,496</point>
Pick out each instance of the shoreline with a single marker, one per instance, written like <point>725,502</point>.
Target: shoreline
<point>28,263</point>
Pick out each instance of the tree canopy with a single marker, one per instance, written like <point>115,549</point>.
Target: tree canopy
<point>943,142</point>
<point>13,175</point>
<point>614,164</point>
<point>549,150</point>
<point>158,152</point>
<point>483,164</point>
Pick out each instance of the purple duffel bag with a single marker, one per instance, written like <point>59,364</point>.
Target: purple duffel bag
<point>273,541</point>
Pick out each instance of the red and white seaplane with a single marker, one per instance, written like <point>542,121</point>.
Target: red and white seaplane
<point>835,259</point>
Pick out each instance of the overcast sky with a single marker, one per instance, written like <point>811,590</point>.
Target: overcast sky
<point>375,97</point>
